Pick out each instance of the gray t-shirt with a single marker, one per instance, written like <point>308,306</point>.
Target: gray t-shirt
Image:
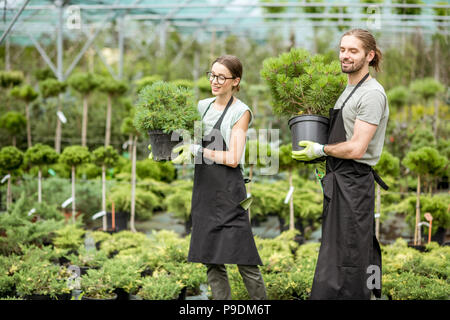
<point>368,103</point>
<point>236,111</point>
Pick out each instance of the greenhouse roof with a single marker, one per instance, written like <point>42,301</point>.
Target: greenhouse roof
<point>253,18</point>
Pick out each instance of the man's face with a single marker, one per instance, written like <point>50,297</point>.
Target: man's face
<point>352,54</point>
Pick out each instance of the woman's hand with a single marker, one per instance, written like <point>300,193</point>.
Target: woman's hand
<point>233,156</point>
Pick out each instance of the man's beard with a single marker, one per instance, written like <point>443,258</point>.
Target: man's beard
<point>354,68</point>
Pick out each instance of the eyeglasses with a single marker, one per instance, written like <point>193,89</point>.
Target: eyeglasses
<point>220,79</point>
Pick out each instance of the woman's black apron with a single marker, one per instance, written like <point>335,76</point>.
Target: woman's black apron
<point>348,245</point>
<point>221,231</point>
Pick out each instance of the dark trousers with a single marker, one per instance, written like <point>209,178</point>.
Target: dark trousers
<point>220,287</point>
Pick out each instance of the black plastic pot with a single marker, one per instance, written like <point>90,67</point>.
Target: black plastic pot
<point>120,220</point>
<point>114,297</point>
<point>309,127</point>
<point>162,144</point>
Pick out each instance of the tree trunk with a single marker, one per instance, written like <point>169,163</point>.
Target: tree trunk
<point>104,195</point>
<point>58,129</point>
<point>291,204</point>
<point>40,185</point>
<point>133,184</point>
<point>73,194</point>
<point>85,120</point>
<point>108,122</point>
<point>130,145</point>
<point>378,211</point>
<point>8,192</point>
<point>416,231</point>
<point>436,77</point>
<point>27,114</point>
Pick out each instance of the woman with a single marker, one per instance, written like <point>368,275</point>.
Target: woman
<point>221,231</point>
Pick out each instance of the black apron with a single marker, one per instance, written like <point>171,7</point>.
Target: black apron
<point>221,231</point>
<point>348,245</point>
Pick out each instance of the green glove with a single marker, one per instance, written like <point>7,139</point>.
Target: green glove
<point>246,202</point>
<point>150,156</point>
<point>186,152</point>
<point>311,151</point>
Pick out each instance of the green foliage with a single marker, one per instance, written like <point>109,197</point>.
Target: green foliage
<point>107,156</point>
<point>145,201</point>
<point>179,202</point>
<point>83,82</point>
<point>147,81</point>
<point>40,155</point>
<point>69,237</point>
<point>426,88</point>
<point>95,284</point>
<point>407,10</point>
<point>312,9</point>
<point>111,86</point>
<point>13,122</point>
<point>75,155</point>
<point>274,10</point>
<point>127,127</point>
<point>388,165</point>
<point>257,153</point>
<point>436,205</point>
<point>398,96</point>
<point>160,286</point>
<point>123,273</point>
<point>425,160</point>
<point>10,79</point>
<point>25,93</point>
<point>11,159</point>
<point>422,137</point>
<point>285,157</point>
<point>183,83</point>
<point>51,87</point>
<point>366,9</point>
<point>301,83</point>
<point>164,106</point>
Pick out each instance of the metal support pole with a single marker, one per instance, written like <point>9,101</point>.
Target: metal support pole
<point>13,21</point>
<point>121,45</point>
<point>59,39</point>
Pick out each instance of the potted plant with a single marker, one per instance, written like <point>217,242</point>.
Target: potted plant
<point>160,286</point>
<point>40,155</point>
<point>13,122</point>
<point>42,280</point>
<point>11,159</point>
<point>74,156</point>
<point>104,157</point>
<point>163,109</point>
<point>113,89</point>
<point>27,94</point>
<point>304,87</point>
<point>52,88</point>
<point>85,84</point>
<point>96,286</point>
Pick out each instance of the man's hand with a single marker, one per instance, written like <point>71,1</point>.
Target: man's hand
<point>186,151</point>
<point>311,151</point>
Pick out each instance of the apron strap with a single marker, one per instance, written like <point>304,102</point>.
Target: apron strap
<point>354,89</point>
<point>379,180</point>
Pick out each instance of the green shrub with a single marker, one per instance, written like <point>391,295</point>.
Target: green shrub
<point>69,237</point>
<point>145,201</point>
<point>160,286</point>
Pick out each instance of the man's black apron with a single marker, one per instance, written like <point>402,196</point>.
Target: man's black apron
<point>348,245</point>
<point>221,231</point>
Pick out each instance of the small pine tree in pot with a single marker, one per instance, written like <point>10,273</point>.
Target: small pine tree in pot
<point>304,88</point>
<point>40,155</point>
<point>163,109</point>
<point>11,159</point>
<point>74,156</point>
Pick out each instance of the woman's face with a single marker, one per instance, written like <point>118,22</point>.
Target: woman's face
<point>217,88</point>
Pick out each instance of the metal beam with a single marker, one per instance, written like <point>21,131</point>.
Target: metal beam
<point>13,21</point>
<point>43,54</point>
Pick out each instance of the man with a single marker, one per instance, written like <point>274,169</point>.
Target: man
<point>349,263</point>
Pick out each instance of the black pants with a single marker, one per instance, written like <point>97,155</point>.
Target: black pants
<point>220,287</point>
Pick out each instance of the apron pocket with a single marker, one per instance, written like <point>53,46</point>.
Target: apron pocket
<point>327,185</point>
<point>228,213</point>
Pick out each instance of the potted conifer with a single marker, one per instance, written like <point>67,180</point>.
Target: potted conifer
<point>304,87</point>
<point>163,109</point>
<point>40,155</point>
<point>11,159</point>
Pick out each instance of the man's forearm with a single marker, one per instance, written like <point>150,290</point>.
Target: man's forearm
<point>345,150</point>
